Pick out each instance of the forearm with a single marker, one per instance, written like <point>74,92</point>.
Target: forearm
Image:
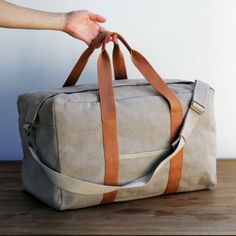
<point>13,16</point>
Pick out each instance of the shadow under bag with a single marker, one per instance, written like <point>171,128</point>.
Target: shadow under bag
<point>117,140</point>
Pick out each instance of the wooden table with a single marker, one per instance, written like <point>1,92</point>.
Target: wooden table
<point>203,212</point>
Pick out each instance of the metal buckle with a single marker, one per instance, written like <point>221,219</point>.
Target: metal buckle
<point>197,107</point>
<point>175,143</point>
<point>27,128</point>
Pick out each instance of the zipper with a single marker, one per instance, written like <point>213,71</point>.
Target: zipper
<point>122,84</point>
<point>136,82</point>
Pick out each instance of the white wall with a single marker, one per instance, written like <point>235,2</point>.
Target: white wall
<point>184,39</point>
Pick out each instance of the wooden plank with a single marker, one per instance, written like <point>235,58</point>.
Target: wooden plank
<point>203,212</point>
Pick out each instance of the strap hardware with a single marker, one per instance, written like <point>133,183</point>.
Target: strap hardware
<point>197,107</point>
<point>27,128</point>
<point>176,142</point>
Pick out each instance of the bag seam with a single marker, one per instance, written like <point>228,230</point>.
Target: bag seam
<point>58,155</point>
<point>116,100</point>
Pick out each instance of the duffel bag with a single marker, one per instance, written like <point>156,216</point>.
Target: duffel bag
<point>118,140</point>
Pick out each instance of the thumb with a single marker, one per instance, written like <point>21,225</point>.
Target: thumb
<point>98,18</point>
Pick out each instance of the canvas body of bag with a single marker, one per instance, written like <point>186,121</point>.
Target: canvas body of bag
<point>117,140</point>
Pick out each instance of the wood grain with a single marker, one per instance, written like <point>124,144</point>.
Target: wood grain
<point>203,212</point>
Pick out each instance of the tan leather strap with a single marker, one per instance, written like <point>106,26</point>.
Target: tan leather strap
<point>176,111</point>
<point>176,117</point>
<point>109,126</point>
<point>118,62</point>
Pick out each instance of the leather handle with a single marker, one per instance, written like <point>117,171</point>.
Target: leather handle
<point>145,68</point>
<point>176,113</point>
<point>109,124</point>
<point>118,62</point>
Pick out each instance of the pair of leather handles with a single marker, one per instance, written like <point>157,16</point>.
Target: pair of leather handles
<point>120,71</point>
<point>118,61</point>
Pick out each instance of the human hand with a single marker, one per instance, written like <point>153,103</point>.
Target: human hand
<point>84,25</point>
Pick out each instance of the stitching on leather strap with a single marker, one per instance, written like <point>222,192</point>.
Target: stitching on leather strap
<point>109,126</point>
<point>108,114</point>
<point>175,172</point>
<point>176,163</point>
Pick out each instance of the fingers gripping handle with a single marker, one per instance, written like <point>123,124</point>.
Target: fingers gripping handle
<point>118,62</point>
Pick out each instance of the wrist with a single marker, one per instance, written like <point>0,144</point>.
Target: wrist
<point>60,21</point>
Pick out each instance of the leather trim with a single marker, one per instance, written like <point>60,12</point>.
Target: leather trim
<point>176,163</point>
<point>109,126</point>
<point>119,63</point>
<point>175,171</point>
<point>176,111</point>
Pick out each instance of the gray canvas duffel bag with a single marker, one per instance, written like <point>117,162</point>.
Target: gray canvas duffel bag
<point>117,140</point>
